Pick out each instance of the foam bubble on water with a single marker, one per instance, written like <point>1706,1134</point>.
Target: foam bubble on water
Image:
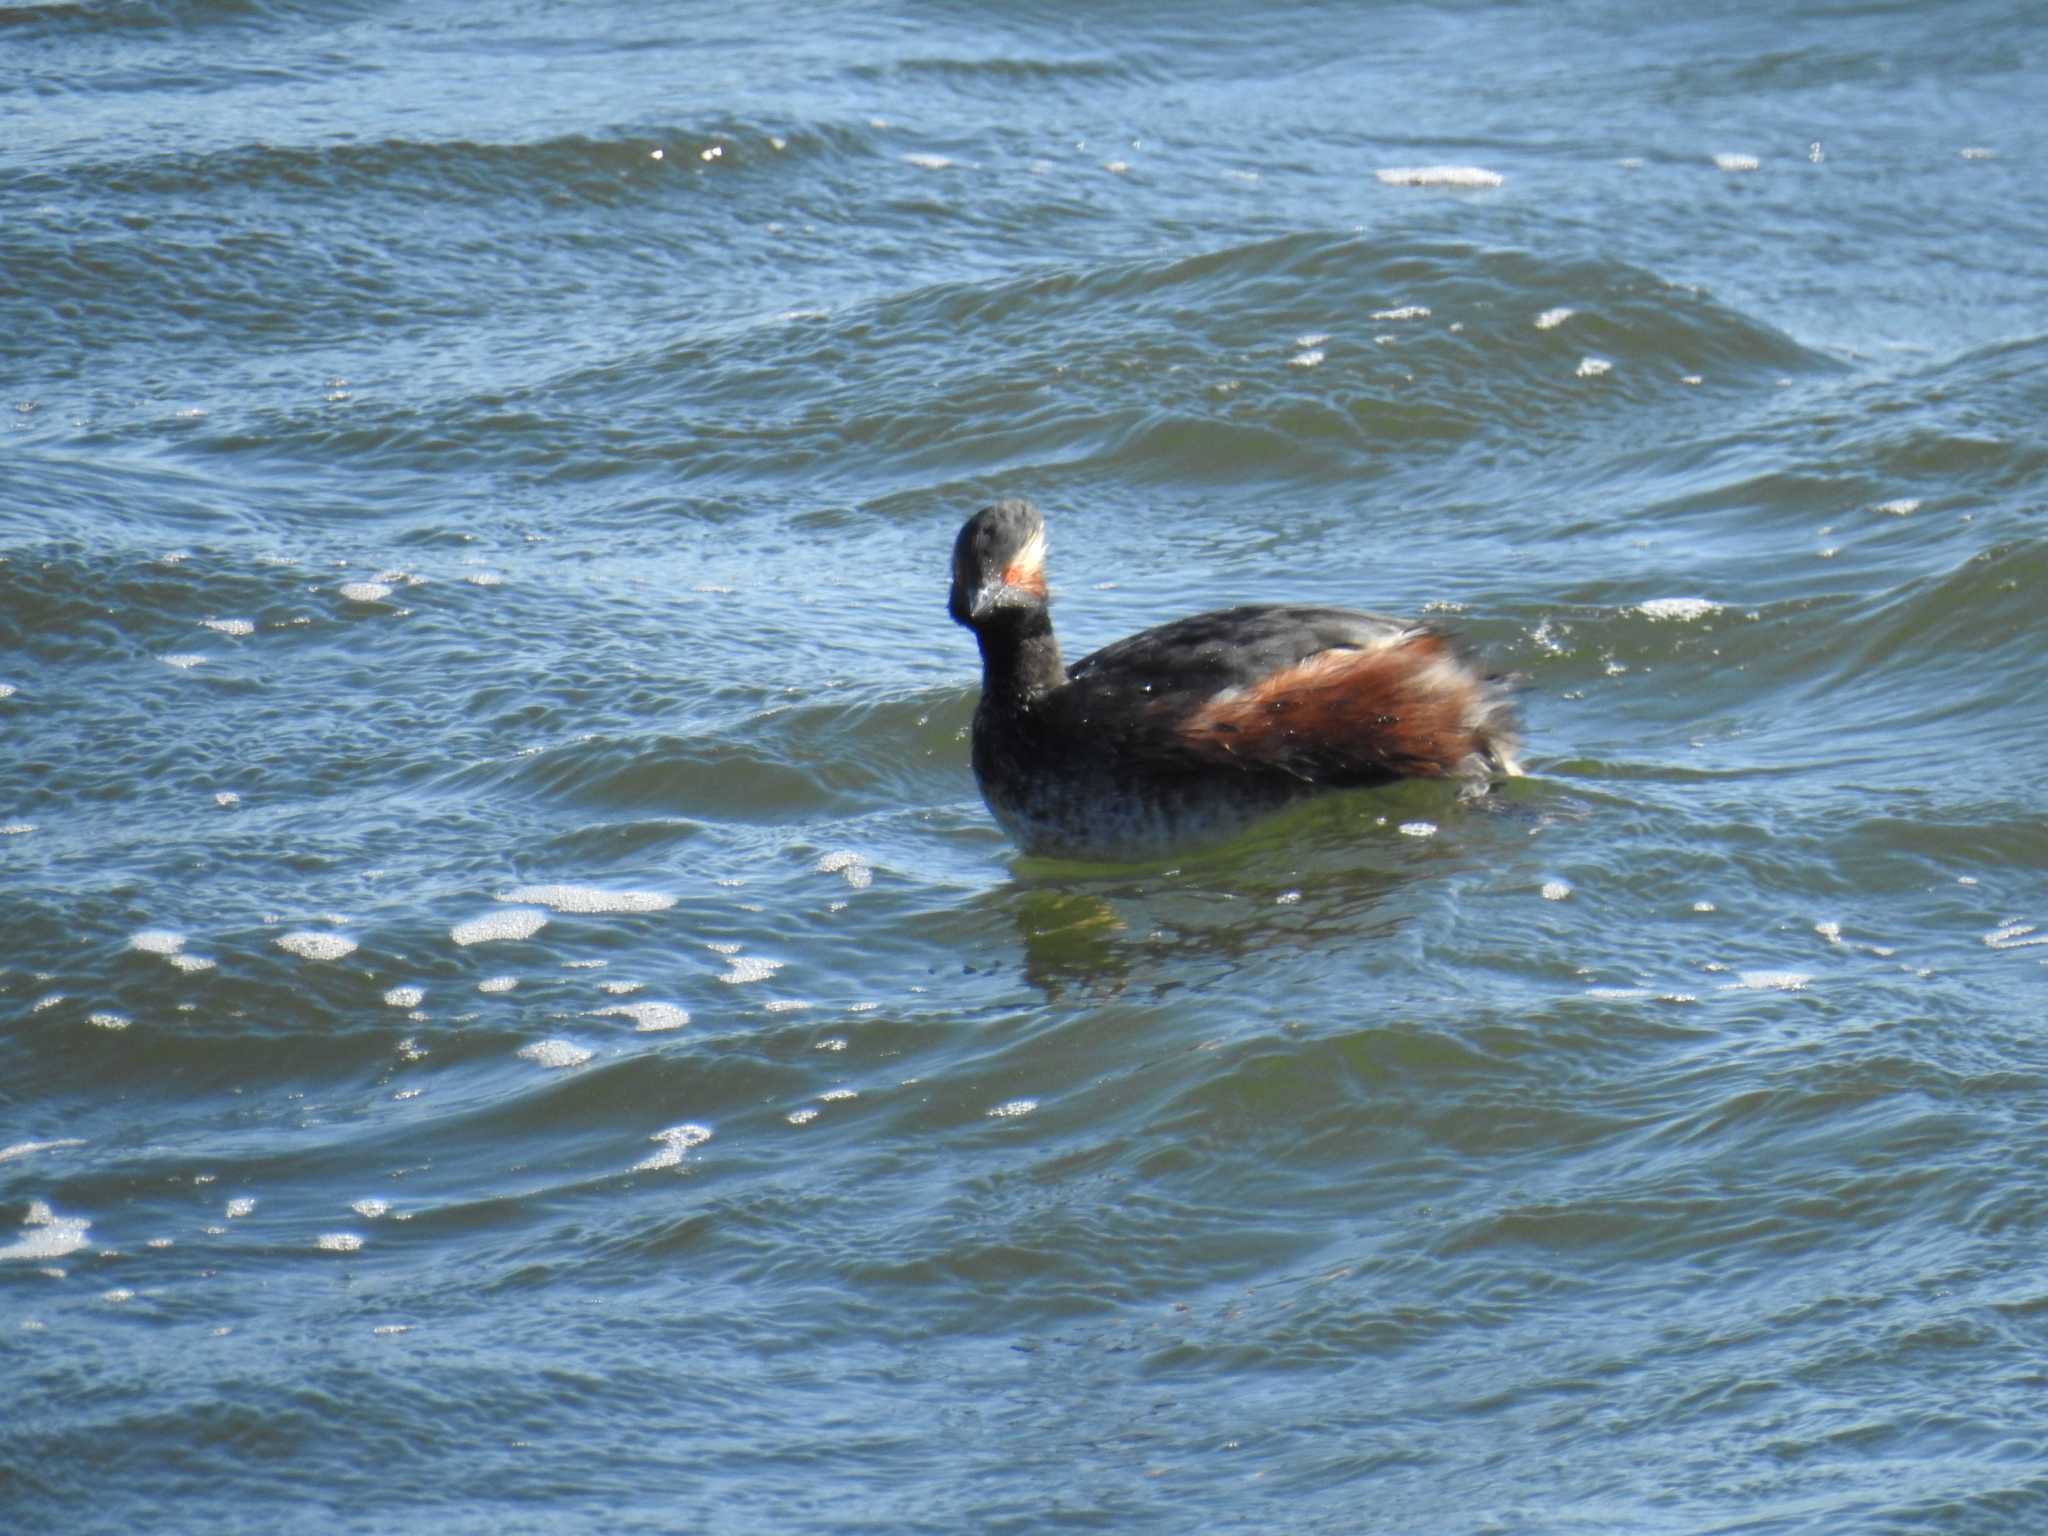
<point>1308,359</point>
<point>1551,319</point>
<point>16,828</point>
<point>620,988</point>
<point>8,690</point>
<point>45,1235</point>
<point>390,1330</point>
<point>926,162</point>
<point>184,661</point>
<point>109,1020</point>
<point>834,1043</point>
<point>1012,1109</point>
<point>1977,152</point>
<point>785,1005</point>
<point>1438,176</point>
<point>745,968</point>
<point>2014,936</point>
<point>240,1206</point>
<point>497,984</point>
<point>156,941</point>
<point>47,1000</point>
<point>1692,378</point>
<point>308,945</point>
<point>118,1295</point>
<point>1404,312</point>
<point>405,997</point>
<point>675,1141</point>
<point>1593,367</point>
<point>1832,932</point>
<point>338,1242</point>
<point>1770,981</point>
<point>1735,164</point>
<point>371,1208</point>
<point>29,1148</point>
<point>1287,899</point>
<point>648,1018</point>
<point>495,927</point>
<point>587,898</point>
<point>161,1242</point>
<point>554,1053</point>
<point>235,627</point>
<point>365,591</point>
<point>849,866</point>
<point>1555,890</point>
<point>484,579</point>
<point>1418,829</point>
<point>801,1116</point>
<point>585,965</point>
<point>227,799</point>
<point>1681,609</point>
<point>1904,506</point>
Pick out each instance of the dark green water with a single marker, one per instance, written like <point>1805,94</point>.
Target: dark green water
<point>516,1020</point>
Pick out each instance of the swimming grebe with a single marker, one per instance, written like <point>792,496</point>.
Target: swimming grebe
<point>1195,728</point>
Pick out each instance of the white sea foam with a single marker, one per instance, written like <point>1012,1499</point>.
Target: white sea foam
<point>29,1148</point>
<point>554,1053</point>
<point>241,1205</point>
<point>1404,312</point>
<point>1551,319</point>
<point>156,941</point>
<point>235,627</point>
<point>405,997</point>
<point>184,661</point>
<point>1771,981</point>
<point>801,1116</point>
<point>1012,1109</point>
<point>365,591</point>
<point>497,984</point>
<point>115,1021</point>
<point>1736,163</point>
<point>745,968</point>
<point>1439,176</point>
<point>928,162</point>
<point>675,1141</point>
<point>648,1018</point>
<point>1593,367</point>
<point>1308,359</point>
<point>16,828</point>
<point>494,927</point>
<point>1418,829</point>
<point>309,945</point>
<point>587,898</point>
<point>1904,506</point>
<point>338,1242</point>
<point>1555,890</point>
<point>1679,608</point>
<point>849,866</point>
<point>371,1209</point>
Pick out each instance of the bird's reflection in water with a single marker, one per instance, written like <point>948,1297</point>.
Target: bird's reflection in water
<point>1310,878</point>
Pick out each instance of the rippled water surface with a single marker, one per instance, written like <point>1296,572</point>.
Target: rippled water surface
<point>515,1018</point>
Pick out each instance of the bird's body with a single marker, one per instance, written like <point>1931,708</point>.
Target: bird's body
<point>1196,728</point>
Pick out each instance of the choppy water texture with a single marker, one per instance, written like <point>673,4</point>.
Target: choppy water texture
<point>516,1020</point>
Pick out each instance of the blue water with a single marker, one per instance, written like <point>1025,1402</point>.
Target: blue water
<point>516,1019</point>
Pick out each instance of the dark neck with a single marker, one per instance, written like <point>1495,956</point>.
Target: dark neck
<point>1020,658</point>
